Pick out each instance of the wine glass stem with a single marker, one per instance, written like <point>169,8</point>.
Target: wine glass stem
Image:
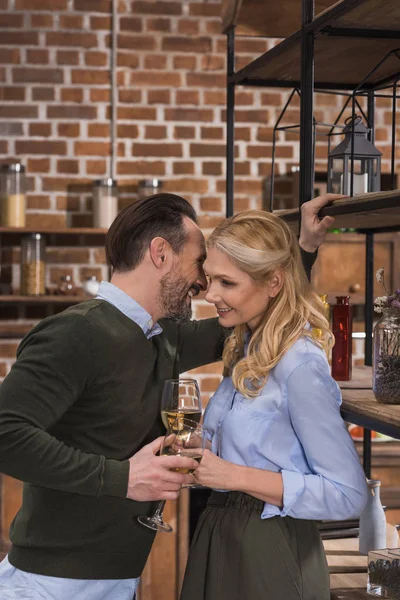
<point>159,510</point>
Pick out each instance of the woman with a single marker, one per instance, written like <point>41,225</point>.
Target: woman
<point>278,439</point>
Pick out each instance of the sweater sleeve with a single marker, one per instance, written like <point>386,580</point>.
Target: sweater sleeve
<point>200,343</point>
<point>55,363</point>
<point>308,259</point>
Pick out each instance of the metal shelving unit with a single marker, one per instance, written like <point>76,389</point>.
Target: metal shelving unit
<point>351,45</point>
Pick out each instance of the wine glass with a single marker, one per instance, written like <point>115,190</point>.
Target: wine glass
<point>180,400</point>
<point>183,438</point>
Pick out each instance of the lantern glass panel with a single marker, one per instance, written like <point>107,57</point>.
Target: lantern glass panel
<point>336,175</point>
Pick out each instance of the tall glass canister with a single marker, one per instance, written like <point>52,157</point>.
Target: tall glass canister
<point>105,202</point>
<point>149,187</point>
<point>386,361</point>
<point>33,265</point>
<point>12,192</point>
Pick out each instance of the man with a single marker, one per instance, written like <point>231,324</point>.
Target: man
<point>80,409</point>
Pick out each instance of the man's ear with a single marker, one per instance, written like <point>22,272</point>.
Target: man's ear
<point>275,284</point>
<point>160,252</point>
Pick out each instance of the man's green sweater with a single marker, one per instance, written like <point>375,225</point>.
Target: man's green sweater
<point>82,398</point>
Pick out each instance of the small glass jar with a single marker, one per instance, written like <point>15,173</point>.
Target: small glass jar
<point>66,287</point>
<point>386,361</point>
<point>104,202</point>
<point>149,187</point>
<point>33,265</point>
<point>13,199</point>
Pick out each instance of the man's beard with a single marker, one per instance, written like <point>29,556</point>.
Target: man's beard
<point>173,298</point>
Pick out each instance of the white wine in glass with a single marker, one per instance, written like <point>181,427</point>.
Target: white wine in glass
<point>180,400</point>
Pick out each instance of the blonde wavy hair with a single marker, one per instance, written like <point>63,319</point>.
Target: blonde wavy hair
<point>260,243</point>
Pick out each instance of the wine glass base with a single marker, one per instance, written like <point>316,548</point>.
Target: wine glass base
<point>155,524</point>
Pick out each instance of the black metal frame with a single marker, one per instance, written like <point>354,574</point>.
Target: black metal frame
<point>310,27</point>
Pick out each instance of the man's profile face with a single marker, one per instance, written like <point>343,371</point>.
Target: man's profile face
<point>186,278</point>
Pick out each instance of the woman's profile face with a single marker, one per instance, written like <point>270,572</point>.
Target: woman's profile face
<point>237,297</point>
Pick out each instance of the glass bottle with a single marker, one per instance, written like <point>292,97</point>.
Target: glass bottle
<point>104,202</point>
<point>12,191</point>
<point>149,187</point>
<point>342,328</point>
<point>386,360</point>
<point>317,332</point>
<point>372,521</point>
<point>33,265</point>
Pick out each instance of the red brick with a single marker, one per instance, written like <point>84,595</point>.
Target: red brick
<point>265,134</point>
<point>215,98</point>
<point>186,44</point>
<point>253,46</point>
<point>249,116</point>
<point>272,99</point>
<point>205,9</point>
<point>128,59</point>
<point>70,255</point>
<point>54,184</point>
<point>68,129</point>
<point>185,133</point>
<point>156,78</point>
<point>51,5</point>
<point>155,61</point>
<point>183,168</point>
<point>130,24</point>
<point>68,166</point>
<point>163,25</point>
<point>212,168</point>
<point>71,112</point>
<point>96,167</point>
<point>41,21</point>
<point>213,27</point>
<point>212,63</point>
<point>96,59</point>
<point>243,134</point>
<point>43,93</point>
<point>136,42</point>
<point>140,167</point>
<point>67,57</point>
<point>39,129</point>
<point>190,185</point>
<point>212,133</point>
<point>31,75</point>
<point>207,150</point>
<point>11,129</point>
<point>185,62</point>
<point>159,96</point>
<point>19,38</point>
<point>92,148</point>
<point>3,147</point>
<point>90,76</point>
<point>68,38</point>
<point>127,131</point>
<point>16,111</point>
<point>2,74</point>
<point>13,21</point>
<point>100,23</point>
<point>10,56</point>
<point>40,57</point>
<point>12,93</point>
<point>244,98</point>
<point>207,80</point>
<point>242,168</point>
<point>159,7</point>
<point>211,204</point>
<point>100,95</point>
<point>164,150</point>
<point>130,96</point>
<point>187,97</point>
<point>261,151</point>
<point>38,201</point>
<point>139,113</point>
<point>72,95</point>
<point>188,27</point>
<point>155,132</point>
<point>188,114</point>
<point>38,165</point>
<point>93,5</point>
<point>8,349</point>
<point>71,22</point>
<point>101,130</point>
<point>40,147</point>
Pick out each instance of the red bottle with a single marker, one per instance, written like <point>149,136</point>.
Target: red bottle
<point>342,327</point>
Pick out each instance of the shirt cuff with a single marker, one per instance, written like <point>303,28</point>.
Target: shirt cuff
<point>293,488</point>
<point>115,476</point>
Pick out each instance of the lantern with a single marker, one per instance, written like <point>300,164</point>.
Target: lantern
<point>367,162</point>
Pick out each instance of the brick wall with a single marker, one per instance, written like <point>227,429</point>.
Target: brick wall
<point>54,111</point>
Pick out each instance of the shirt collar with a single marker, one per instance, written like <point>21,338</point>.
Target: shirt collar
<point>129,307</point>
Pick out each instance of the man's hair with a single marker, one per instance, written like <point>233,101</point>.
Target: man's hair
<point>130,234</point>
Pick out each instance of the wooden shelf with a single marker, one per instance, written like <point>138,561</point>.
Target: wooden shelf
<point>360,407</point>
<point>48,299</point>
<point>88,236</point>
<point>378,211</point>
<point>343,54</point>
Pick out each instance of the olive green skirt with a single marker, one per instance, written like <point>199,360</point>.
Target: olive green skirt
<point>236,555</point>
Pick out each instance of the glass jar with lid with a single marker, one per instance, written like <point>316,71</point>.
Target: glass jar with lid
<point>104,202</point>
<point>12,192</point>
<point>33,265</point>
<point>149,187</point>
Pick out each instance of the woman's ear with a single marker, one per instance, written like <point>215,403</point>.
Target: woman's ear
<point>275,284</point>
